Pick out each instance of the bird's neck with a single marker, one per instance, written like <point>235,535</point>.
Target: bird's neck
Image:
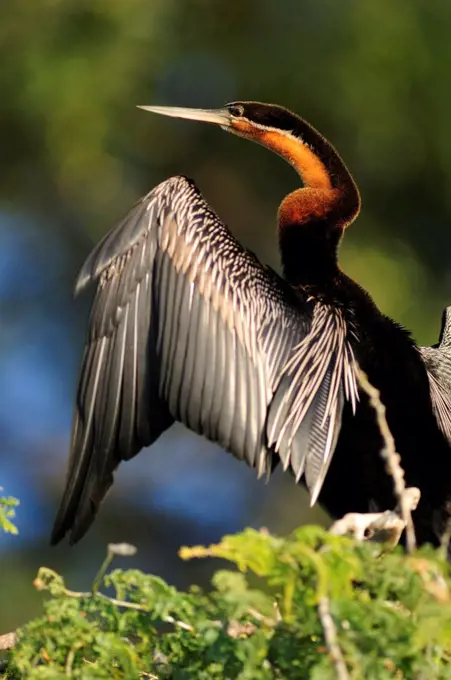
<point>312,219</point>
<point>309,252</point>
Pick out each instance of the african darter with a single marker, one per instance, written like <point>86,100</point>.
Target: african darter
<point>188,326</point>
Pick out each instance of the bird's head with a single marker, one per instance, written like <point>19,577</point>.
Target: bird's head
<point>290,136</point>
<point>251,120</point>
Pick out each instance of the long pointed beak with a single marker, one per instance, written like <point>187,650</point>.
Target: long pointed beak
<point>217,116</point>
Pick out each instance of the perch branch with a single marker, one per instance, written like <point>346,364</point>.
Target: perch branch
<point>382,527</point>
<point>7,641</point>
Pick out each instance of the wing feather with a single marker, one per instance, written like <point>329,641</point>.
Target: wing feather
<point>186,325</point>
<point>305,414</point>
<point>437,360</point>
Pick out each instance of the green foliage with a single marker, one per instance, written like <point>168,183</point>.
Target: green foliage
<point>7,513</point>
<point>391,615</point>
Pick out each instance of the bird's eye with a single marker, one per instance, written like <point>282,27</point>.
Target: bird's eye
<point>236,110</point>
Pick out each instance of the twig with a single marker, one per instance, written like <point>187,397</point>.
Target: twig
<point>330,636</point>
<point>71,657</point>
<point>124,604</point>
<point>114,549</point>
<point>391,457</point>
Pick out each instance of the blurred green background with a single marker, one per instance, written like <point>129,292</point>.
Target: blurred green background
<point>76,153</point>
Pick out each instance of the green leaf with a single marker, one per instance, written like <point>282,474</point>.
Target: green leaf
<point>7,513</point>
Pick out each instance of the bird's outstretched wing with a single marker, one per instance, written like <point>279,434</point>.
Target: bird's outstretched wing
<point>186,325</point>
<point>438,365</point>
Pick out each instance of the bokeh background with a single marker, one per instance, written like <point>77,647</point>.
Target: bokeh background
<point>76,153</point>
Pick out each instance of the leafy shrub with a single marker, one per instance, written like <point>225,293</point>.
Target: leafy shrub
<point>311,605</point>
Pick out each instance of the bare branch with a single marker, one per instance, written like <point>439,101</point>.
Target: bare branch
<point>330,636</point>
<point>392,458</point>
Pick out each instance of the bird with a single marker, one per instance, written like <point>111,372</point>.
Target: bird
<point>187,325</point>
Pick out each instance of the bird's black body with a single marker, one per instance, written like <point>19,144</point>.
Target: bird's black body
<point>392,361</point>
<point>186,325</point>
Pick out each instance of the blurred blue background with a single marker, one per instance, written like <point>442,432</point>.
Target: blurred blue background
<point>76,153</point>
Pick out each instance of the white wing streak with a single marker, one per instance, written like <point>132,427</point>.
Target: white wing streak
<point>323,353</point>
